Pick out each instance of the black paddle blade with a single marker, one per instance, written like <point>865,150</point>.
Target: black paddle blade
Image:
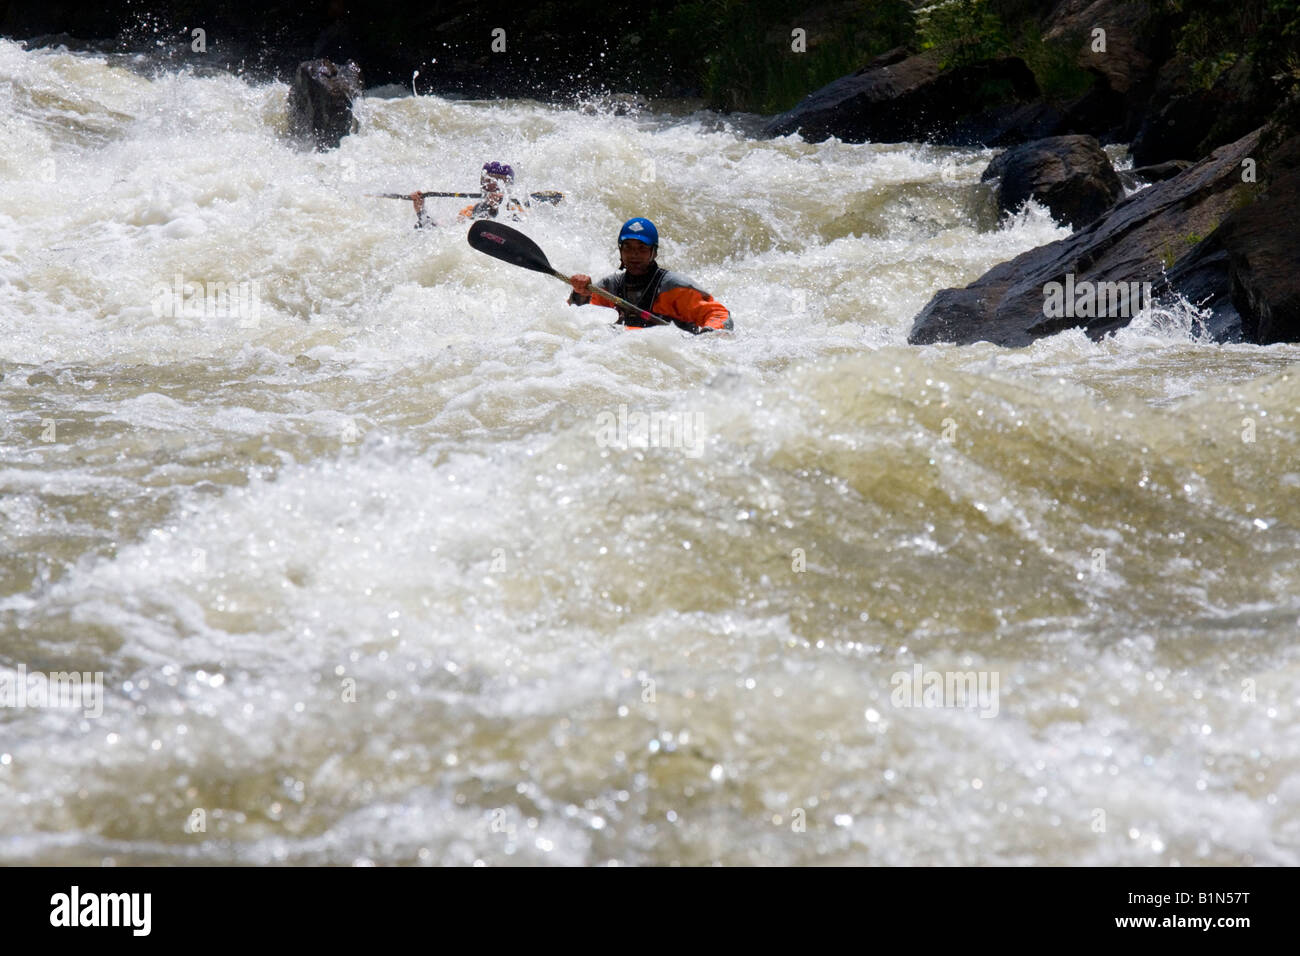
<point>552,196</point>
<point>508,245</point>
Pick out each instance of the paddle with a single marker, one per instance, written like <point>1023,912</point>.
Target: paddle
<point>512,246</point>
<point>551,196</point>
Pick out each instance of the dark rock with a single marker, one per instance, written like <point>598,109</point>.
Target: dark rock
<point>1138,43</point>
<point>898,100</point>
<point>1261,242</point>
<point>1204,279</point>
<point>1133,243</point>
<point>1187,125</point>
<point>1098,112</point>
<point>1126,62</point>
<point>52,41</point>
<point>1071,175</point>
<point>1008,125</point>
<point>1173,131</point>
<point>1154,174</point>
<point>1245,271</point>
<point>320,102</point>
<point>897,55</point>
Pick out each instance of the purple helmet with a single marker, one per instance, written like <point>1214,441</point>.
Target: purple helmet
<point>499,169</point>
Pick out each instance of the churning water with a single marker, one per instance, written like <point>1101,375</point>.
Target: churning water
<point>392,556</point>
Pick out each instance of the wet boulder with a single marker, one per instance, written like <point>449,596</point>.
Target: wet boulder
<point>1158,173</point>
<point>900,98</point>
<point>320,101</point>
<point>1260,243</point>
<point>1243,276</point>
<point>1070,175</point>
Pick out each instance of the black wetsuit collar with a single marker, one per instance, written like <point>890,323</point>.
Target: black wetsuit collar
<point>642,292</point>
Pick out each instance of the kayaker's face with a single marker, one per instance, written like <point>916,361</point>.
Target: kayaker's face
<point>637,256</point>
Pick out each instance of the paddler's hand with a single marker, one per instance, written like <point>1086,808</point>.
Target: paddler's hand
<point>581,284</point>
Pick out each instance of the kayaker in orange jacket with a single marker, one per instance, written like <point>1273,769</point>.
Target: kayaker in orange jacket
<point>643,282</point>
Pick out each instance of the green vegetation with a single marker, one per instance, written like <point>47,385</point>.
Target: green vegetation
<point>1213,35</point>
<point>963,31</point>
<point>966,31</point>
<point>1054,63</point>
<point>740,53</point>
<point>737,54</point>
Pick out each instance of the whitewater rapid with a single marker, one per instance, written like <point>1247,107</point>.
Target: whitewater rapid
<point>369,578</point>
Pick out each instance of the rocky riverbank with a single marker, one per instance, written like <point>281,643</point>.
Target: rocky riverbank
<point>1206,97</point>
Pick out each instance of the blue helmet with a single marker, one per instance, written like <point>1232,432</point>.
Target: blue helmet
<point>640,229</point>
